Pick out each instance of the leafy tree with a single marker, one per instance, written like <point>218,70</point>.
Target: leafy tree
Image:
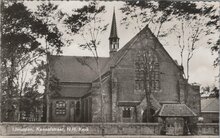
<point>17,41</point>
<point>216,92</point>
<point>155,14</point>
<point>147,68</point>
<point>214,24</point>
<point>22,50</point>
<point>49,14</point>
<point>31,102</point>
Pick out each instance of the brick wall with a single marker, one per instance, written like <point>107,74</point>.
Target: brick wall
<point>210,117</point>
<point>20,129</point>
<point>193,100</point>
<point>207,128</point>
<point>169,72</point>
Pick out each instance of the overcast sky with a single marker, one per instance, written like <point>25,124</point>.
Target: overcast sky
<point>201,66</point>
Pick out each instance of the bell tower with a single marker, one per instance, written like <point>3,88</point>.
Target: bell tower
<point>113,39</point>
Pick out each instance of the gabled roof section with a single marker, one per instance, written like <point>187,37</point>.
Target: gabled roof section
<point>175,110</point>
<point>76,68</point>
<point>147,33</point>
<point>210,105</point>
<point>113,33</point>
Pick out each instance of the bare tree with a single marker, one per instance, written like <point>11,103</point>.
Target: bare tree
<point>190,34</point>
<point>90,28</point>
<point>147,74</point>
<point>190,26</point>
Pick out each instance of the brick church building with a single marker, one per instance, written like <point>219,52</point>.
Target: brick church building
<point>140,71</point>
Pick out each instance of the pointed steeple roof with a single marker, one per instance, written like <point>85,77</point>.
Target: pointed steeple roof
<point>113,33</point>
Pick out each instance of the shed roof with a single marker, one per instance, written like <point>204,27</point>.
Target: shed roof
<point>175,110</point>
<point>210,105</point>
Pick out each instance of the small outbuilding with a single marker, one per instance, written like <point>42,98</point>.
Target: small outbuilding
<point>175,118</point>
<point>209,110</point>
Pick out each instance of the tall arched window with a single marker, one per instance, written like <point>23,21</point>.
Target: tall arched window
<point>147,71</point>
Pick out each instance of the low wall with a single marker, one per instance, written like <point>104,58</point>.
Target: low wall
<point>79,129</point>
<point>208,128</point>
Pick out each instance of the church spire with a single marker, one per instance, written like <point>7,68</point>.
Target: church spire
<point>113,33</point>
<point>113,39</point>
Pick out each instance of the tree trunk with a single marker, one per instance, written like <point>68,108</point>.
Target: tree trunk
<point>187,70</point>
<point>47,91</point>
<point>147,93</point>
<point>101,94</point>
<point>10,90</point>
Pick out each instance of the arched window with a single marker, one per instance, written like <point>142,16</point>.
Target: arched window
<point>147,71</point>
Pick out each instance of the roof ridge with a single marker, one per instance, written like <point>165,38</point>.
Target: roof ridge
<point>175,63</point>
<point>190,110</point>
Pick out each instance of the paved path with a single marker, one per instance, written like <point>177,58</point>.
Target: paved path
<point>112,136</point>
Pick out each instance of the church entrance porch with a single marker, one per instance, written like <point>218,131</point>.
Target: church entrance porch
<point>152,118</point>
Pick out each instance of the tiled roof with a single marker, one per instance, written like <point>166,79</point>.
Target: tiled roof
<point>175,110</point>
<point>119,54</point>
<point>210,105</point>
<point>75,68</point>
<point>83,69</point>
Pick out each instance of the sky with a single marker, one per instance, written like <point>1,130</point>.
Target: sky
<point>201,65</point>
